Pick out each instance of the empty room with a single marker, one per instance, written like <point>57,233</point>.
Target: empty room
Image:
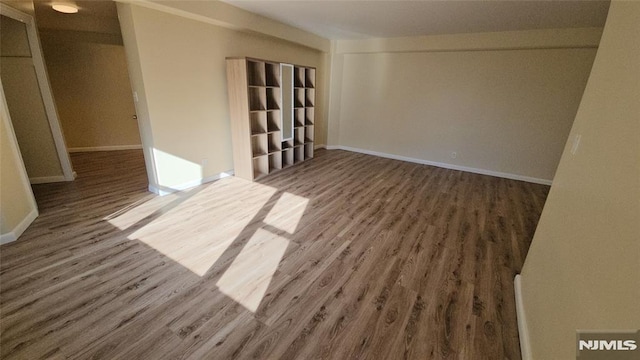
<point>319,179</point>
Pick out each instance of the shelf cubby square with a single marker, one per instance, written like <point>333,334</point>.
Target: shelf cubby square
<point>298,136</point>
<point>287,157</point>
<point>308,151</point>
<point>255,73</point>
<point>309,116</point>
<point>298,154</point>
<point>259,145</point>
<point>272,74</point>
<point>298,118</point>
<point>260,166</point>
<point>310,78</point>
<point>309,99</point>
<point>257,99</point>
<point>298,98</point>
<point>275,161</point>
<point>258,122</point>
<point>274,142</point>
<point>298,77</point>
<point>273,98</point>
<point>273,121</point>
<point>308,134</point>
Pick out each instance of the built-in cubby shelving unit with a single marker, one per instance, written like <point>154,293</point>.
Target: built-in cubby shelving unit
<point>257,107</point>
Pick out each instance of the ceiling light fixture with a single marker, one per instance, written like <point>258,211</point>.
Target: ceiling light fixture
<point>65,8</point>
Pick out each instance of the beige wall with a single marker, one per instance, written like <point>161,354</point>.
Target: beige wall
<point>178,68</point>
<point>16,198</point>
<point>582,270</point>
<point>27,110</point>
<point>90,82</point>
<point>501,110</point>
<point>226,15</point>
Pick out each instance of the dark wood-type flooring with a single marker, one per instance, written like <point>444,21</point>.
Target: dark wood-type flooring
<point>346,256</point>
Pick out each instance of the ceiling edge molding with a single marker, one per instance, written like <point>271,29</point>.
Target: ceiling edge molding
<point>228,16</point>
<point>506,40</point>
<point>22,6</point>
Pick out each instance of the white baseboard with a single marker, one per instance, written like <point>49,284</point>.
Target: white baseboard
<point>166,190</point>
<point>14,234</point>
<point>104,148</point>
<point>443,165</point>
<point>48,179</point>
<point>523,329</point>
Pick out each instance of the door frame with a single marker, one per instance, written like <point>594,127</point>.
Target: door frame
<point>45,88</point>
<point>15,233</point>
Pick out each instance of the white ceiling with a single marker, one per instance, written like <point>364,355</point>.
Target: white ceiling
<point>94,16</point>
<point>359,19</point>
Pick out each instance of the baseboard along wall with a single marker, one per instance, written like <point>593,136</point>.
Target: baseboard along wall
<point>443,165</point>
<point>166,190</point>
<point>14,234</point>
<point>523,329</point>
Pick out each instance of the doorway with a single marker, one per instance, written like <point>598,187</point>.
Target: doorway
<point>88,73</point>
<point>29,100</point>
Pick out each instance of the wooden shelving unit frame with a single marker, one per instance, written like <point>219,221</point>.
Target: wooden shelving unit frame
<point>255,101</point>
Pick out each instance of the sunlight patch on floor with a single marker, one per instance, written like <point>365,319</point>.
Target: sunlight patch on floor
<point>194,230</point>
<point>287,212</point>
<point>248,278</point>
<point>136,212</point>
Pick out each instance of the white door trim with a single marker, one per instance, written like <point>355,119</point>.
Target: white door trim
<point>45,88</point>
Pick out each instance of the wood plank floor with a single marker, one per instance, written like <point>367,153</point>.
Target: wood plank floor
<point>347,256</point>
